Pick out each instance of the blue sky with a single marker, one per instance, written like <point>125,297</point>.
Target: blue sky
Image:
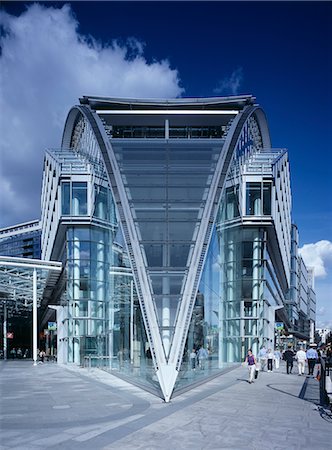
<point>278,51</point>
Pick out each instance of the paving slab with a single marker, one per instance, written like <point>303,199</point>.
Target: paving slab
<point>51,406</point>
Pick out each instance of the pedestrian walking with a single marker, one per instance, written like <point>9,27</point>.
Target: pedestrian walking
<point>277,357</point>
<point>262,357</point>
<point>251,361</point>
<point>312,358</point>
<point>42,355</point>
<point>202,356</point>
<point>301,358</point>
<point>193,359</point>
<point>270,358</point>
<point>289,358</point>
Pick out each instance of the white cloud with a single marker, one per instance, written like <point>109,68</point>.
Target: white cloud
<point>46,65</point>
<point>323,290</point>
<point>318,256</point>
<point>230,85</point>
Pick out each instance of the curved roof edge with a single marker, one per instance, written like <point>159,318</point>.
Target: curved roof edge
<point>109,103</point>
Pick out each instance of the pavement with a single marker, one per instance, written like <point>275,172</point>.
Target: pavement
<point>51,406</point>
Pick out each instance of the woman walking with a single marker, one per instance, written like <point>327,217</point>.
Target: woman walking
<point>251,360</point>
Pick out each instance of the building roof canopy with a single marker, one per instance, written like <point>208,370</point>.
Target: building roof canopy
<point>16,281</point>
<point>209,103</point>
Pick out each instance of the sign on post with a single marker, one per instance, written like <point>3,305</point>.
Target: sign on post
<point>279,326</point>
<point>51,326</point>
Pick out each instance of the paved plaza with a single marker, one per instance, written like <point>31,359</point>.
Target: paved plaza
<point>49,406</point>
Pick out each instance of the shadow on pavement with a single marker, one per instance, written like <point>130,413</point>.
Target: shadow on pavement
<point>310,392</point>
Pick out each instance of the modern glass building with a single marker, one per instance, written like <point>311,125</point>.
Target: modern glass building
<point>172,219</point>
<point>21,240</point>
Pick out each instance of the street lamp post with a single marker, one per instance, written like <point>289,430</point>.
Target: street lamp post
<point>34,317</point>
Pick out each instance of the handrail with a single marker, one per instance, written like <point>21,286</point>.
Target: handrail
<point>326,372</point>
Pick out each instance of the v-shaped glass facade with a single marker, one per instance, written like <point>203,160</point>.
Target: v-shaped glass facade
<point>169,286</point>
<point>167,185</point>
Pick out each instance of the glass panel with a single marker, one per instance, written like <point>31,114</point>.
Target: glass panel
<point>65,198</point>
<point>184,214</point>
<point>102,204</point>
<point>153,231</point>
<point>173,282</point>
<point>79,198</point>
<point>181,231</point>
<point>83,308</point>
<point>146,193</point>
<point>253,201</point>
<point>138,132</point>
<point>81,234</point>
<point>185,179</point>
<point>185,193</point>
<point>84,250</point>
<point>232,203</point>
<point>151,214</point>
<point>142,180</point>
<point>247,249</point>
<point>267,199</point>
<point>179,254</point>
<point>154,254</point>
<point>167,306</point>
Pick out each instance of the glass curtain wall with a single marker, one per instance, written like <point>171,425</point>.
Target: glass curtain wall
<point>243,315</point>
<point>230,314</point>
<point>88,259</point>
<point>104,321</point>
<point>167,185</point>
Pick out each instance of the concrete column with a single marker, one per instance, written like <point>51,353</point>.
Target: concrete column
<point>75,326</point>
<point>75,206</point>
<point>230,298</point>
<point>100,287</point>
<point>256,289</point>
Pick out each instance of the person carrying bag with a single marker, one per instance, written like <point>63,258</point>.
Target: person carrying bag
<point>251,361</point>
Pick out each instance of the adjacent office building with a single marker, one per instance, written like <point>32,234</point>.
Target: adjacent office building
<point>173,222</point>
<point>22,240</point>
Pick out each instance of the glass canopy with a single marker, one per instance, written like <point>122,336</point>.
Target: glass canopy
<point>16,282</point>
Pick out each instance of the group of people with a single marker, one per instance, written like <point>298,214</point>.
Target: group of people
<point>19,353</point>
<point>302,357</point>
<point>198,358</point>
<point>271,358</point>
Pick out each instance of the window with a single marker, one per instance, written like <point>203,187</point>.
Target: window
<point>258,199</point>
<point>232,203</point>
<point>102,208</point>
<point>79,198</point>
<point>266,199</point>
<point>74,198</point>
<point>65,198</point>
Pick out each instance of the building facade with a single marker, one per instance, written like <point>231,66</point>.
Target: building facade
<point>173,221</point>
<point>22,240</point>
